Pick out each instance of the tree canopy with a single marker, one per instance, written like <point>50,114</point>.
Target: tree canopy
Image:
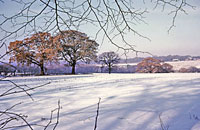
<point>76,46</point>
<point>151,65</point>
<point>37,49</point>
<point>109,59</point>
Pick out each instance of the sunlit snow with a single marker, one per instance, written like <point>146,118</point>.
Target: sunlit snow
<point>128,101</point>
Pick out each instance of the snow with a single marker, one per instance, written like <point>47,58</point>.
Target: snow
<point>128,101</point>
<point>176,64</point>
<point>185,64</point>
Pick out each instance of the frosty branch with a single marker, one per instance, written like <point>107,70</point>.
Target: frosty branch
<point>111,18</point>
<point>19,89</point>
<point>177,5</point>
<point>9,115</point>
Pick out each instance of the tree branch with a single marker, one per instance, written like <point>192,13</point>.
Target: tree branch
<point>96,118</point>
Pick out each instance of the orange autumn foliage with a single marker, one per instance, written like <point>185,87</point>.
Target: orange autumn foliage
<point>37,49</point>
<point>151,65</point>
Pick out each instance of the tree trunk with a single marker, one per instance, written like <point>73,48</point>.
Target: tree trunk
<point>109,68</point>
<point>42,69</point>
<point>73,68</point>
<point>14,72</point>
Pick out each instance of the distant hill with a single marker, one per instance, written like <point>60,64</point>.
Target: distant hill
<point>184,64</point>
<point>162,58</point>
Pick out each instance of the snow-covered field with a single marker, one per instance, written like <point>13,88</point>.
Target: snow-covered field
<point>128,101</point>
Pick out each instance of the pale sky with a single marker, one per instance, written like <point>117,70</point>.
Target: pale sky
<point>184,39</point>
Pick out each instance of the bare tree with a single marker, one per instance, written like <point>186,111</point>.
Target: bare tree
<point>109,59</point>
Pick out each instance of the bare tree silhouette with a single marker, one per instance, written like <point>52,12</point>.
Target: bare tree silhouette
<point>112,18</point>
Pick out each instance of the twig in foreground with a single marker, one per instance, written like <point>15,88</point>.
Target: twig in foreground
<point>95,126</point>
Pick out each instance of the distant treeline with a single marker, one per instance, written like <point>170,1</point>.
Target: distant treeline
<point>162,58</point>
<point>60,69</point>
<point>82,68</point>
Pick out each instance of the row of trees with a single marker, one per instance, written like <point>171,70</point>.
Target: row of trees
<point>72,46</point>
<point>148,65</point>
<point>42,48</point>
